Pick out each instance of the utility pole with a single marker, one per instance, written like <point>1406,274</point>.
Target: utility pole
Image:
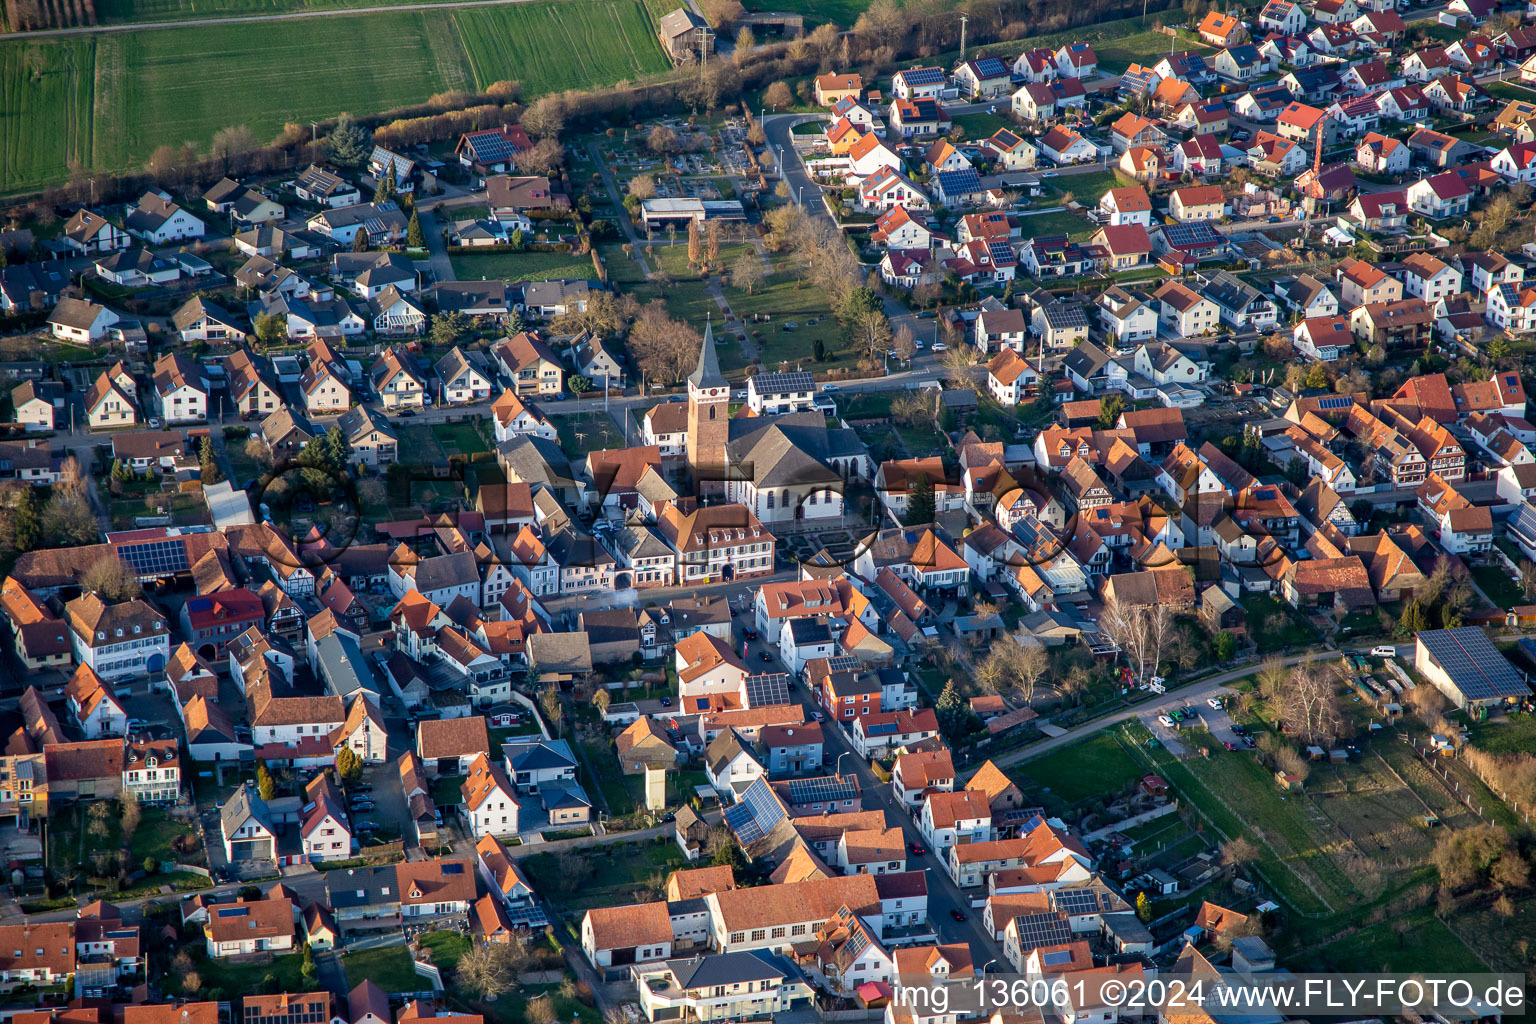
<point>963,19</point>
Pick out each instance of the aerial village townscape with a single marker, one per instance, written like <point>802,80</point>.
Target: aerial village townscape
<point>698,513</point>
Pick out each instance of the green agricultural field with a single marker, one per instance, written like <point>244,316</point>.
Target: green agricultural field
<point>138,12</point>
<point>553,46</point>
<point>45,90</point>
<point>170,86</point>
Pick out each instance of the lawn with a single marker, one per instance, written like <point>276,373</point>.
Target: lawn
<point>447,791</point>
<point>388,967</point>
<point>459,438</point>
<point>617,875</point>
<point>236,978</point>
<point>1506,734</point>
<point>619,790</point>
<point>1097,767</point>
<point>45,88</point>
<point>982,125</point>
<point>588,432</point>
<point>787,301</point>
<point>156,831</point>
<point>1275,626</point>
<point>421,442</point>
<point>1118,54</point>
<point>1089,187</point>
<point>446,948</point>
<point>1493,581</point>
<point>521,266</point>
<point>1057,223</point>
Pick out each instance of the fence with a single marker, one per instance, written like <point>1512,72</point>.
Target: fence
<point>1432,757</point>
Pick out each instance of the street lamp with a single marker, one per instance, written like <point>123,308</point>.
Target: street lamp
<point>984,966</point>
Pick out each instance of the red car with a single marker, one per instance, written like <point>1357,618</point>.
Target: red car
<point>918,849</point>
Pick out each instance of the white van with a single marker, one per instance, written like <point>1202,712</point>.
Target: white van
<point>1384,651</point>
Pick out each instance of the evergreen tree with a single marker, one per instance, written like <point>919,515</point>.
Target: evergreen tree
<point>360,241</point>
<point>516,241</point>
<point>28,523</point>
<point>920,505</point>
<point>266,785</point>
<point>1143,908</point>
<point>952,712</point>
<point>1225,646</point>
<point>413,236</point>
<point>386,190</point>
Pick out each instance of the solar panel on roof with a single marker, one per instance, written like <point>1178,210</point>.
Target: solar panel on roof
<point>774,382</point>
<point>453,869</point>
<point>1056,957</point>
<point>990,66</point>
<point>923,76</point>
<point>1473,664</point>
<point>757,813</point>
<point>1335,402</point>
<point>767,690</point>
<point>1043,929</point>
<point>233,911</point>
<point>1075,901</point>
<point>1001,252</point>
<point>820,790</point>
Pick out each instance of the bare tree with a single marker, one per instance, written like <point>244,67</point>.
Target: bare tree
<point>539,1010</point>
<point>485,970</point>
<point>1143,632</point>
<point>111,579</point>
<point>904,343</point>
<point>643,186</point>
<point>1236,853</point>
<point>1032,664</point>
<point>747,272</point>
<point>133,813</point>
<point>1309,707</point>
<point>664,348</point>
<point>957,369</point>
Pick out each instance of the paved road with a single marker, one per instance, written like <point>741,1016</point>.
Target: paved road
<point>1196,694</point>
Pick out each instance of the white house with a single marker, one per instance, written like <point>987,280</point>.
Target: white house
<point>158,221</point>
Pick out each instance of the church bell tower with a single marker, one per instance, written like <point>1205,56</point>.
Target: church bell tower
<point>709,398</point>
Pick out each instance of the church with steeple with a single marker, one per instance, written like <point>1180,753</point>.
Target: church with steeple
<point>788,467</point>
<point>709,419</point>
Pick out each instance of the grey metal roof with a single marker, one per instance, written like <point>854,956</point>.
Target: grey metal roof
<point>362,887</point>
<point>728,969</point>
<point>707,373</point>
<point>1474,665</point>
<point>242,806</point>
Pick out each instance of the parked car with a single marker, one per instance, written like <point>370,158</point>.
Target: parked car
<point>939,346</point>
<point>1166,722</point>
<point>817,716</point>
<point>1216,703</point>
<point>361,805</point>
<point>1384,651</point>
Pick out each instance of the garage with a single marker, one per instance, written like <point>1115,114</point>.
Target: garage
<point>250,849</point>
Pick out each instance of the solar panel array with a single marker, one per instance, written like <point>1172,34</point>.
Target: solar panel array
<point>843,663</point>
<point>991,67</point>
<point>757,813</point>
<point>923,76</point>
<point>820,790</point>
<point>1065,315</point>
<point>1075,901</point>
<point>1475,666</point>
<point>1001,252</point>
<point>233,911</point>
<point>767,690</point>
<point>1042,929</point>
<point>492,147</point>
<point>157,557</point>
<point>770,383</point>
<point>960,183</point>
<point>1191,234</point>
